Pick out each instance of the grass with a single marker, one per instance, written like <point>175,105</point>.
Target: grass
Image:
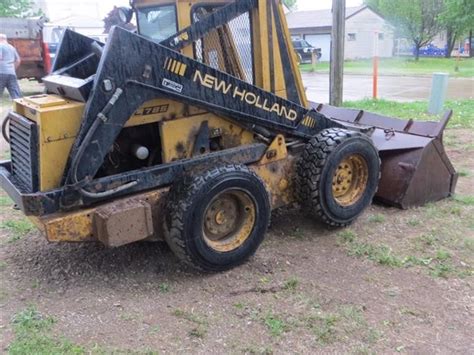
<point>201,324</point>
<point>164,287</point>
<point>463,110</point>
<point>191,317</point>
<point>325,332</point>
<point>437,259</point>
<point>378,218</point>
<point>18,228</point>
<point>341,324</point>
<point>414,222</point>
<point>5,201</point>
<point>464,173</point>
<point>275,324</point>
<point>464,200</point>
<point>403,66</point>
<point>198,332</point>
<point>291,284</point>
<point>33,336</point>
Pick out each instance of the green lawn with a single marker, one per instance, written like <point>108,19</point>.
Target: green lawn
<point>404,66</point>
<point>463,110</point>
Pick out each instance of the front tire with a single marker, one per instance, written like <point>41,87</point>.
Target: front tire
<point>217,220</point>
<point>338,176</point>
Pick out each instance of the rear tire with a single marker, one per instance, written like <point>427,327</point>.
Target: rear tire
<point>217,220</point>
<point>338,176</point>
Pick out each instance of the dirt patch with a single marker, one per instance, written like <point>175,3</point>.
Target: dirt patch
<point>395,281</point>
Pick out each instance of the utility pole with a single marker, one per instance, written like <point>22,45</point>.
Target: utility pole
<point>337,52</point>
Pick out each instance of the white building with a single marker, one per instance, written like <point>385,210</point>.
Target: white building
<point>366,32</point>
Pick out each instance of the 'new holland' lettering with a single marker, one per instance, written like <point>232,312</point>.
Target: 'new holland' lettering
<point>248,97</point>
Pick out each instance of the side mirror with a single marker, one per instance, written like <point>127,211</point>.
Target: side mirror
<point>125,14</point>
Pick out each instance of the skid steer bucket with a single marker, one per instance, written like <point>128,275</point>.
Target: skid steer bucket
<point>415,167</point>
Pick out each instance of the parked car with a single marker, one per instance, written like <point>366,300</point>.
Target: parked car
<point>431,51</point>
<point>304,51</point>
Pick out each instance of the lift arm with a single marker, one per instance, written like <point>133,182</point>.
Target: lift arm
<point>134,70</point>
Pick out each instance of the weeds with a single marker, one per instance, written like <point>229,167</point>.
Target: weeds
<point>275,325</point>
<point>442,270</point>
<point>240,306</point>
<point>298,233</point>
<point>465,200</point>
<point>257,350</point>
<point>198,332</point>
<point>442,255</point>
<point>437,262</point>
<point>378,218</point>
<point>326,330</point>
<point>291,284</point>
<point>32,330</point>
<point>5,201</point>
<point>414,222</point>
<point>428,239</point>
<point>18,228</point>
<point>469,244</point>
<point>380,253</point>
<point>164,287</point>
<point>464,173</point>
<point>190,317</point>
<point>347,236</point>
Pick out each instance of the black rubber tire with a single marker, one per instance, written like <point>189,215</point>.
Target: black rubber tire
<point>187,203</point>
<point>317,166</point>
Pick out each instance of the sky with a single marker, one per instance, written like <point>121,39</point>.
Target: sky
<point>95,8</point>
<point>323,4</point>
<point>302,4</point>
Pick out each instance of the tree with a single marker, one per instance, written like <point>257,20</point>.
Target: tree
<point>417,20</point>
<point>113,19</point>
<point>458,19</point>
<point>291,4</point>
<point>15,8</point>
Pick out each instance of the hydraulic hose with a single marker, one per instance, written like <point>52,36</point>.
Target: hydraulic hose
<point>4,129</point>
<point>82,147</point>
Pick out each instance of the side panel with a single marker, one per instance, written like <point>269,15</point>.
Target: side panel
<point>178,136</point>
<point>58,121</point>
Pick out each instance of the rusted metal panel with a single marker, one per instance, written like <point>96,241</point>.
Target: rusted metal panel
<point>123,223</point>
<point>26,36</point>
<point>76,227</point>
<point>79,226</point>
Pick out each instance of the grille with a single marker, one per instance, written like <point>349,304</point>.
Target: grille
<point>227,48</point>
<point>24,148</point>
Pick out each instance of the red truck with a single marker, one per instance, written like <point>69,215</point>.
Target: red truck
<point>26,35</point>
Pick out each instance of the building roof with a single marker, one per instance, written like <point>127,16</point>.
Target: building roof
<point>318,18</point>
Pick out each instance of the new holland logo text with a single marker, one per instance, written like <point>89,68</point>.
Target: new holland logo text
<point>250,98</point>
<point>172,85</point>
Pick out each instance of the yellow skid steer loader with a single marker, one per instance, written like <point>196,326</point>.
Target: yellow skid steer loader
<point>194,129</point>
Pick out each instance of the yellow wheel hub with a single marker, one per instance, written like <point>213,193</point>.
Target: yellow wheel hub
<point>350,180</point>
<point>229,220</point>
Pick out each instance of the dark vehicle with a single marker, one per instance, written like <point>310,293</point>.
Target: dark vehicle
<point>304,51</point>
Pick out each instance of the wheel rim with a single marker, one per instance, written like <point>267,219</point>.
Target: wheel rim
<point>350,180</point>
<point>229,220</point>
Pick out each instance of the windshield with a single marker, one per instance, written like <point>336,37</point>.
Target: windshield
<point>157,22</point>
<point>305,44</point>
